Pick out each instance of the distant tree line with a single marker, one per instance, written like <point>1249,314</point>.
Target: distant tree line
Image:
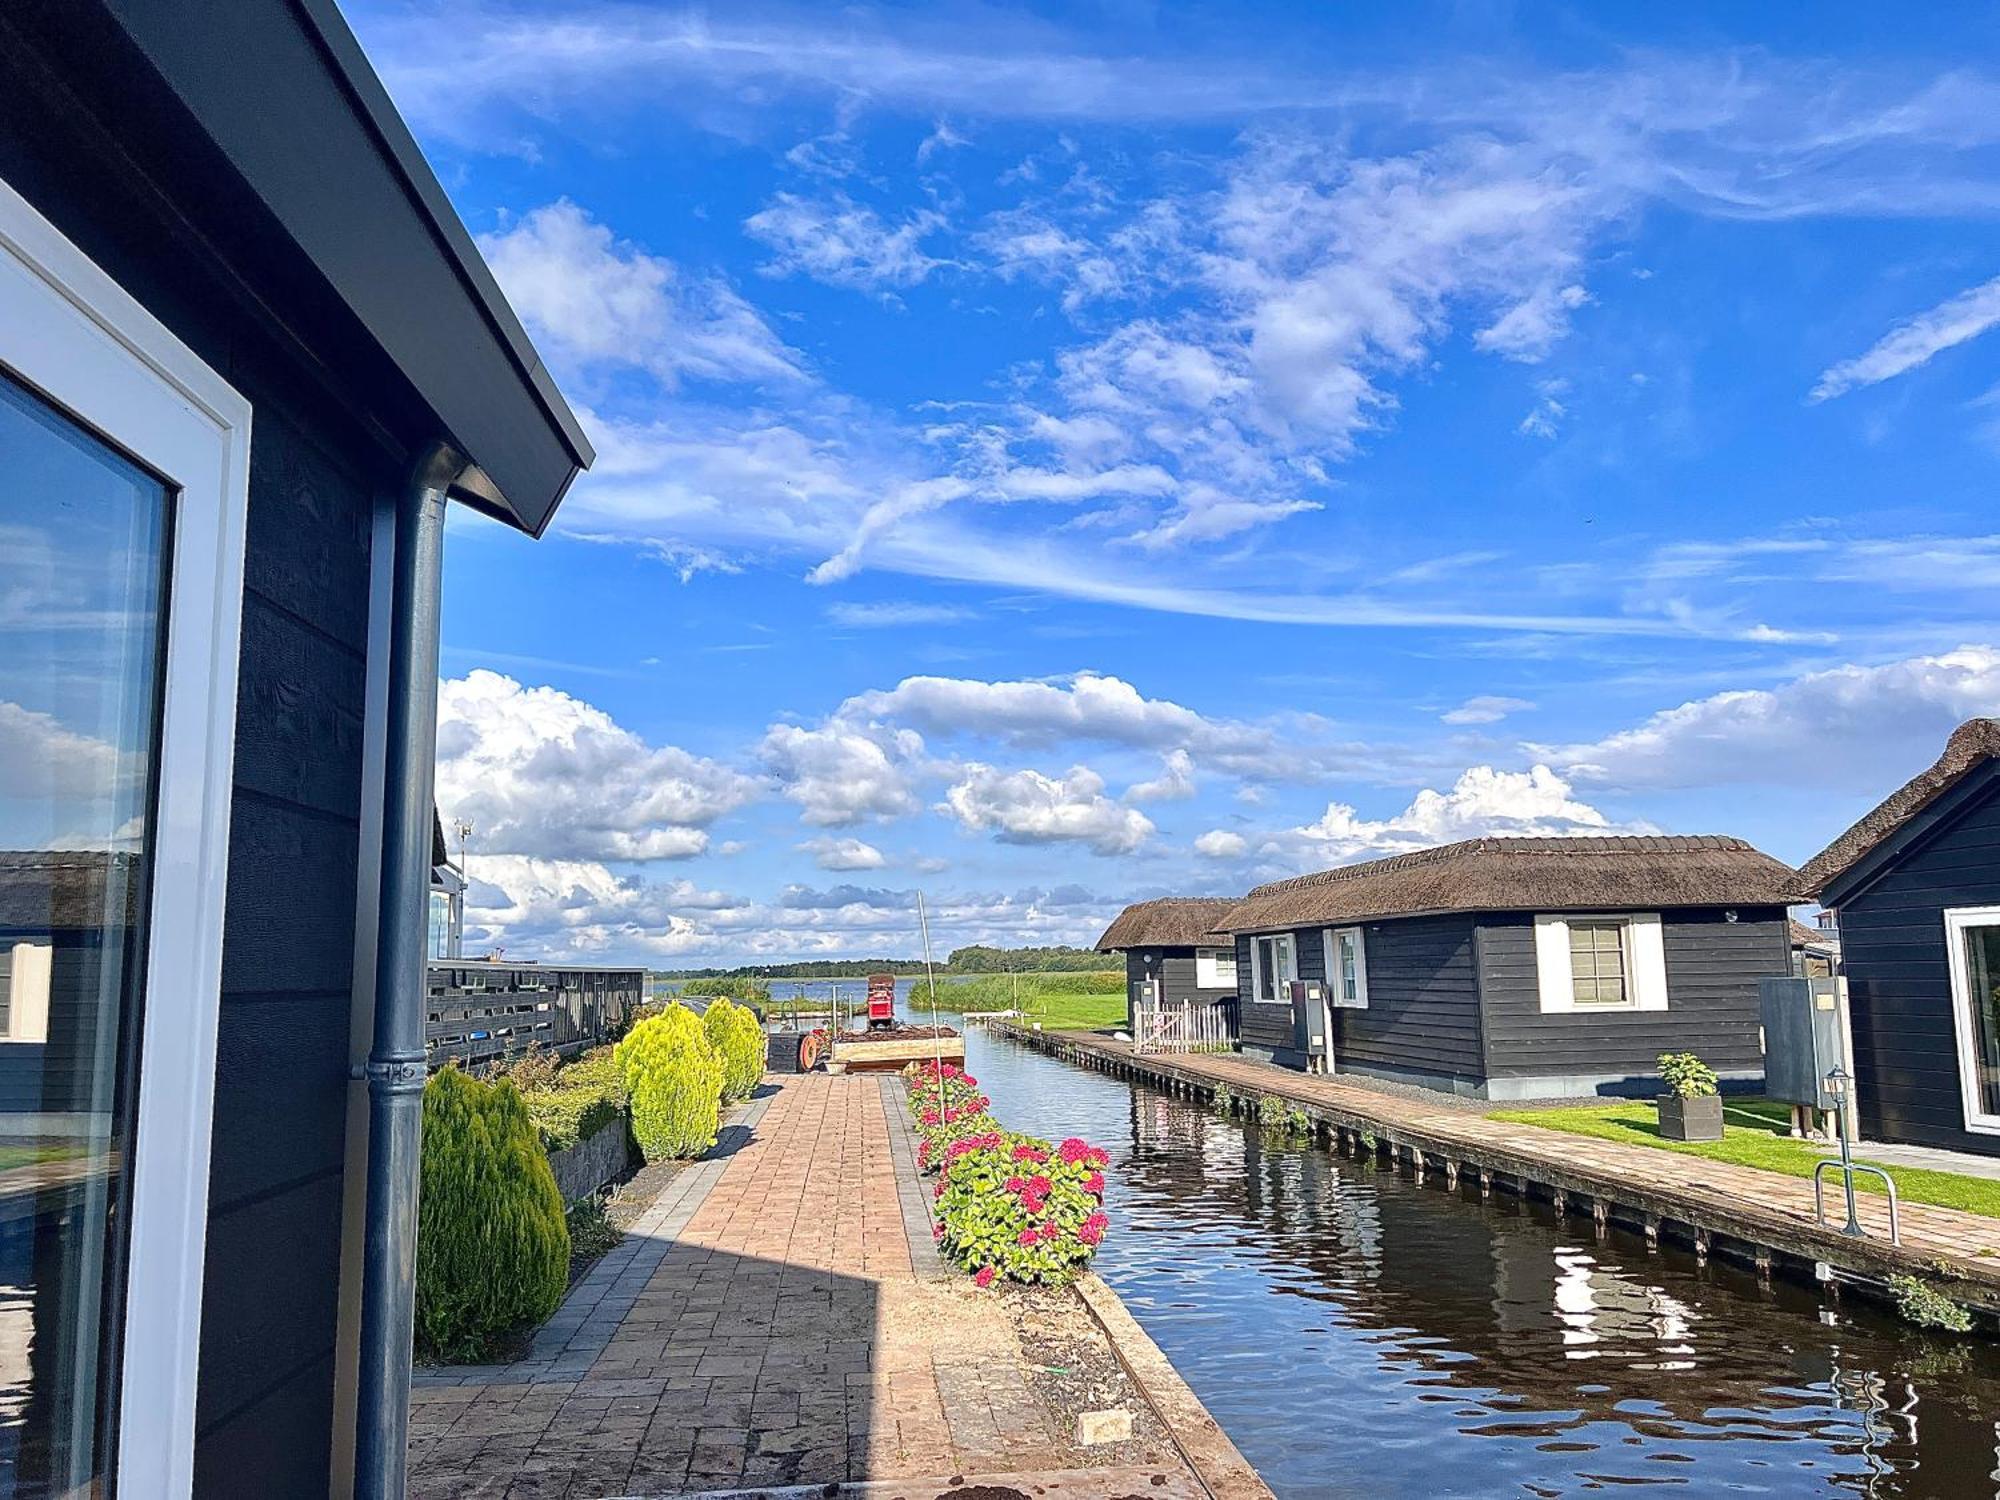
<point>978,959</point>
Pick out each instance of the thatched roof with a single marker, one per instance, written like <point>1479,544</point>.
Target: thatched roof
<point>1526,874</point>
<point>1971,745</point>
<point>1811,937</point>
<point>1170,922</point>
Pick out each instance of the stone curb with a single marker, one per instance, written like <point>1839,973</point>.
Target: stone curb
<point>1070,1484</point>
<point>1223,1470</point>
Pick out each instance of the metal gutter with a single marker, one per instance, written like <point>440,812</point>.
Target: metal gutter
<point>395,1069</point>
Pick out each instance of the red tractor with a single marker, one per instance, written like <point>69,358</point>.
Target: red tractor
<point>881,1001</point>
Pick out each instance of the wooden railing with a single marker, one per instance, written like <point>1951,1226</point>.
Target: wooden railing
<point>1184,1026</point>
<point>482,1013</point>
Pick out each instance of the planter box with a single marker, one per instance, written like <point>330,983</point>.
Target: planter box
<point>1691,1119</point>
<point>592,1162</point>
<point>889,1057</point>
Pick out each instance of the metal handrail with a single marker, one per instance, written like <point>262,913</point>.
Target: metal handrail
<point>1888,1182</point>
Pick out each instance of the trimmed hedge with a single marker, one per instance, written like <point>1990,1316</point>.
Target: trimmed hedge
<point>492,1240</point>
<point>673,1078</point>
<point>736,1034</point>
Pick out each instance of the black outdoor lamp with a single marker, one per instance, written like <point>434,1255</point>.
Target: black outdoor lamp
<point>1836,1089</point>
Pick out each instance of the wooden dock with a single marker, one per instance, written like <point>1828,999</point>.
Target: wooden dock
<point>1763,1219</point>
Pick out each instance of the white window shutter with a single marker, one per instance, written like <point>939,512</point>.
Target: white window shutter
<point>1552,965</point>
<point>1648,950</point>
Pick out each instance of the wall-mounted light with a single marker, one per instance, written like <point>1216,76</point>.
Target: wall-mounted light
<point>1730,915</point>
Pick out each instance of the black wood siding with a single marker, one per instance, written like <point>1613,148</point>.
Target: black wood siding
<point>1176,968</point>
<point>1892,944</point>
<point>1713,966</point>
<point>1268,1028</point>
<point>1423,999</point>
<point>321,459</point>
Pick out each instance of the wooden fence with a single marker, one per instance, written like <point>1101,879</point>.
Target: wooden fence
<point>1184,1026</point>
<point>488,1012</point>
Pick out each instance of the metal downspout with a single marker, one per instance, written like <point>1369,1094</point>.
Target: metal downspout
<point>395,1070</point>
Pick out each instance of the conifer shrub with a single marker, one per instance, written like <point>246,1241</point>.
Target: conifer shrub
<point>492,1241</point>
<point>735,1033</point>
<point>673,1078</point>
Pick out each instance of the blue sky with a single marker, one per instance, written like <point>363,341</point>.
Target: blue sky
<point>1054,456</point>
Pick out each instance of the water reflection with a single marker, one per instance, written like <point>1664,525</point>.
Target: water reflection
<point>1359,1334</point>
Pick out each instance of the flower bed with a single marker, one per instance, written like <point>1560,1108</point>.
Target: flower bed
<point>1006,1204</point>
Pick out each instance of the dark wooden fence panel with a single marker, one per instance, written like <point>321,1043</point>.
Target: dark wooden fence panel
<point>486,1012</point>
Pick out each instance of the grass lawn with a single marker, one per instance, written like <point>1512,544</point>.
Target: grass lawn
<point>1754,1136</point>
<point>12,1156</point>
<point>1061,1002</point>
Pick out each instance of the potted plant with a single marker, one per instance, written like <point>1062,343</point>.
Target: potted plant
<point>1691,1108</point>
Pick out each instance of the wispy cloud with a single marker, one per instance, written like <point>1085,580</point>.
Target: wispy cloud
<point>1915,341</point>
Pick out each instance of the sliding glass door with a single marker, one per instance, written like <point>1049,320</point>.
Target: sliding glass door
<point>123,490</point>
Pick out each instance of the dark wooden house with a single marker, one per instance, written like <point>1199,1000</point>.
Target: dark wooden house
<point>1916,884</point>
<point>1512,968</point>
<point>248,354</point>
<point>1173,951</point>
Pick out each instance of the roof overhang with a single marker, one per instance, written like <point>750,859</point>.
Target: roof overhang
<point>277,97</point>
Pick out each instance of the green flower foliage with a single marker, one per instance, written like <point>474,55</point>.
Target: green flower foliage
<point>734,1032</point>
<point>1019,1207</point>
<point>492,1243</point>
<point>1686,1075</point>
<point>673,1077</point>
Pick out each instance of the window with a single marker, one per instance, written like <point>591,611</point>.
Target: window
<point>123,494</point>
<point>1215,968</point>
<point>1600,963</point>
<point>1346,968</point>
<point>1274,965</point>
<point>1973,937</point>
<point>1598,971</point>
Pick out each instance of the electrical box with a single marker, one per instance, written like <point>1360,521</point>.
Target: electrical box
<point>1309,1019</point>
<point>1802,1038</point>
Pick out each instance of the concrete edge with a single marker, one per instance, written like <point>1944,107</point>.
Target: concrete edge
<point>1217,1462</point>
<point>1083,1484</point>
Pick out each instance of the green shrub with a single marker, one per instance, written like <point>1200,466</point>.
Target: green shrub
<point>572,1102</point>
<point>1686,1076</point>
<point>736,1034</point>
<point>1224,1101</point>
<point>492,1244</point>
<point>673,1077</point>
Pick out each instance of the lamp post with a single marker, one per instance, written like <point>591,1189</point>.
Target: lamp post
<point>1837,1083</point>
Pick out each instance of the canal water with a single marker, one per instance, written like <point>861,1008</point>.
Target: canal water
<point>1357,1334</point>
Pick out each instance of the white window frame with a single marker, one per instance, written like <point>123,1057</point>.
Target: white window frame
<point>1330,938</point>
<point>71,332</point>
<point>1957,921</point>
<point>1209,970</point>
<point>1645,963</point>
<point>1257,966</point>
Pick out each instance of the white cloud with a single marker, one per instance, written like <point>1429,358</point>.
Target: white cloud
<point>1220,843</point>
<point>1913,342</point>
<point>40,757</point>
<point>1486,708</point>
<point>541,774</point>
<point>840,775</point>
<point>844,243</point>
<point>1483,802</point>
<point>844,854</point>
<point>1026,807</point>
<point>590,300</point>
<point>891,613</point>
<point>1866,728</point>
<point>1175,783</point>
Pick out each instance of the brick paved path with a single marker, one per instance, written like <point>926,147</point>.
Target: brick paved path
<point>1725,1198</point>
<point>781,1320</point>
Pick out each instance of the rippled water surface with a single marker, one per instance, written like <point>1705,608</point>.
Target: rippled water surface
<point>1357,1334</point>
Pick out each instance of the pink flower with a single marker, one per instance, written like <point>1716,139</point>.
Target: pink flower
<point>1092,1230</point>
<point>1040,1186</point>
<point>930,1117</point>
<point>1094,1184</point>
<point>983,1277</point>
<point>1074,1151</point>
<point>1015,1184</point>
<point>938,1191</point>
<point>1025,1152</point>
<point>1027,1237</point>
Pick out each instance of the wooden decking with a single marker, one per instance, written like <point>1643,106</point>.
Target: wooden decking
<point>1764,1218</point>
